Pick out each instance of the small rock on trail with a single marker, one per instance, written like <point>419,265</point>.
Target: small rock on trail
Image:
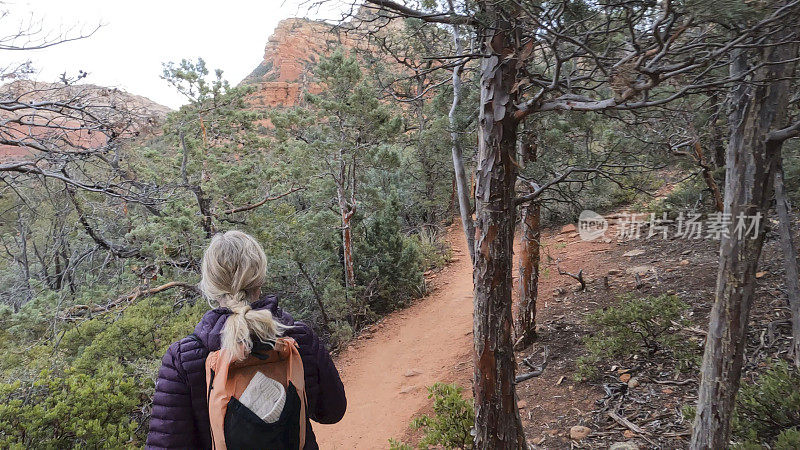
<point>641,270</point>
<point>578,432</point>
<point>570,228</point>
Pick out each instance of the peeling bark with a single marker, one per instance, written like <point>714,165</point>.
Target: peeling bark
<point>497,420</point>
<point>529,258</point>
<point>757,105</point>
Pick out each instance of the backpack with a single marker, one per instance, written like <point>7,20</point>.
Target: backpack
<point>234,425</point>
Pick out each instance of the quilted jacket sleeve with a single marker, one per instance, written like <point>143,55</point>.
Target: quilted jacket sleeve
<point>324,389</point>
<point>172,421</point>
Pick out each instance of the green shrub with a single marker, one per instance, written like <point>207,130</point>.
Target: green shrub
<point>398,445</point>
<point>452,420</point>
<point>70,410</point>
<point>640,326</point>
<point>788,440</point>
<point>768,411</point>
<point>433,250</point>
<point>388,265</point>
<point>689,195</point>
<point>688,412</point>
<point>340,333</point>
<point>96,386</point>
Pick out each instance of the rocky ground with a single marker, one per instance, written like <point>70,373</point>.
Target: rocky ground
<point>637,402</point>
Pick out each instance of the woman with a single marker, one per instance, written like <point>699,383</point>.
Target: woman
<point>233,270</point>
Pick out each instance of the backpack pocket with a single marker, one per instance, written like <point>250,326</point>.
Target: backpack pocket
<point>245,430</point>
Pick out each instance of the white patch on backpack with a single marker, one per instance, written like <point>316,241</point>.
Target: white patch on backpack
<point>265,397</point>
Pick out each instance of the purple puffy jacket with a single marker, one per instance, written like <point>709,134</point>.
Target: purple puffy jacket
<point>179,417</point>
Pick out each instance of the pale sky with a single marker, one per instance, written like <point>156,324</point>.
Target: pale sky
<point>136,36</point>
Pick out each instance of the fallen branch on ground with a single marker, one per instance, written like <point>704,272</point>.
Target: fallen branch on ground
<point>578,276</point>
<point>674,382</point>
<point>692,329</point>
<point>631,426</point>
<point>535,371</point>
<point>626,423</point>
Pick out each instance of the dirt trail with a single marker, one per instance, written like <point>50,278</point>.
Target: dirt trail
<point>386,372</point>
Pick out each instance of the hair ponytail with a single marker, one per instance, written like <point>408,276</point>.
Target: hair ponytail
<point>245,323</point>
<point>234,267</point>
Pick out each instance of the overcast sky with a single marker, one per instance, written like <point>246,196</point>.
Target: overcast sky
<point>135,37</point>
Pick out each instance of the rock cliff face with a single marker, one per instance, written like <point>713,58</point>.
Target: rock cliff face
<point>291,52</point>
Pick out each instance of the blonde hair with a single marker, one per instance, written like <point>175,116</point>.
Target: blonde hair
<point>233,269</point>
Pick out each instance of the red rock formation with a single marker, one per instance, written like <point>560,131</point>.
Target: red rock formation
<point>291,52</point>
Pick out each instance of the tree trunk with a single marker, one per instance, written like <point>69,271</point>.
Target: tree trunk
<point>204,204</point>
<point>24,265</point>
<point>68,269</point>
<point>756,105</point>
<point>789,259</point>
<point>58,277</point>
<point>530,220</point>
<point>529,256</point>
<point>347,247</point>
<point>464,206</point>
<point>497,420</point>
<point>708,176</point>
<point>717,134</point>
<point>429,169</point>
<point>347,239</point>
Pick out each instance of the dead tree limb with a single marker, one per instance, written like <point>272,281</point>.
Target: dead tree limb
<point>77,312</point>
<point>266,199</point>
<point>578,276</point>
<point>626,423</point>
<point>535,371</point>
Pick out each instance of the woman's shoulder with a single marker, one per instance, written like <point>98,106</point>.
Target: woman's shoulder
<point>186,357</point>
<point>308,342</point>
<point>186,347</point>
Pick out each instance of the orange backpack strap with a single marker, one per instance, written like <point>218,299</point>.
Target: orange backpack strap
<point>226,379</point>
<point>297,377</point>
<point>218,395</point>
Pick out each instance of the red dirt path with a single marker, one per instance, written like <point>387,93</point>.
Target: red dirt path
<point>386,370</point>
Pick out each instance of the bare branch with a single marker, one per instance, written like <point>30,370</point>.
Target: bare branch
<point>783,134</point>
<point>262,202</point>
<point>80,311</point>
<point>446,18</point>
